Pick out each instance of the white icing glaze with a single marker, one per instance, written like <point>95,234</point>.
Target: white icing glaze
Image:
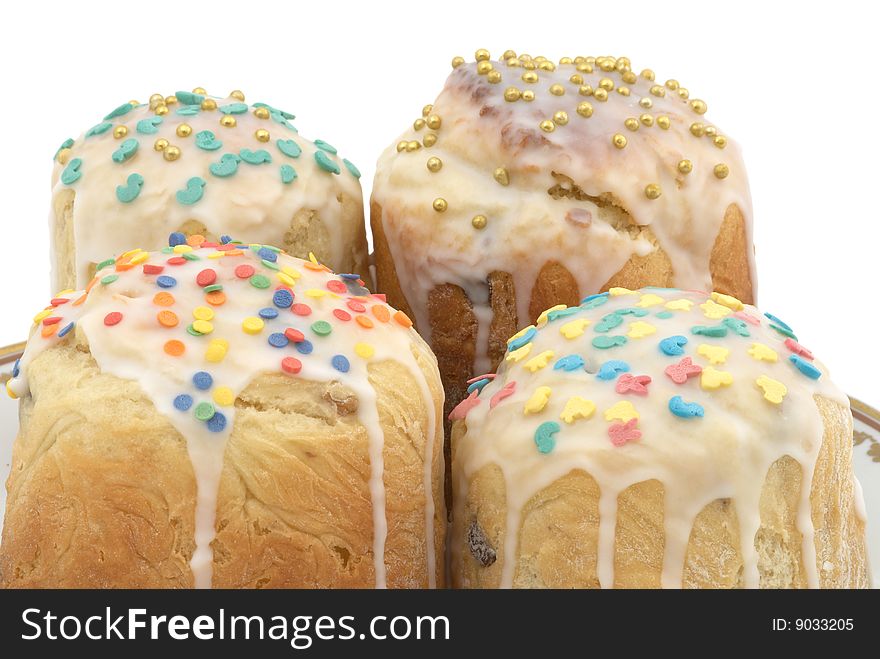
<point>725,454</point>
<point>134,350</point>
<point>252,204</point>
<point>526,227</point>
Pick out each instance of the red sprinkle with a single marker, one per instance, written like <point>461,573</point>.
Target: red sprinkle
<point>150,269</point>
<point>225,248</point>
<point>291,365</point>
<point>176,260</point>
<point>206,277</point>
<point>638,384</point>
<point>51,320</point>
<point>112,318</point>
<point>293,335</point>
<point>342,314</point>
<point>380,296</point>
<point>244,271</point>
<point>354,305</point>
<point>58,301</point>
<point>207,244</point>
<point>795,347</point>
<point>336,286</point>
<point>301,309</point>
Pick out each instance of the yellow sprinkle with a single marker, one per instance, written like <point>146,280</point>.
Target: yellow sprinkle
<point>640,329</point>
<point>621,411</point>
<point>66,291</point>
<point>139,258</point>
<point>223,396</point>
<point>182,249</point>
<point>285,279</point>
<point>714,310</point>
<point>291,272</point>
<point>618,290</point>
<point>713,379</point>
<point>539,361</point>
<point>728,301</point>
<point>715,354</point>
<point>763,353</point>
<point>216,255</point>
<point>518,354</point>
<point>538,401</point>
<point>313,259</point>
<point>10,392</point>
<point>364,350</point>
<point>203,326</point>
<point>649,300</point>
<point>216,352</point>
<point>679,305</point>
<point>542,319</point>
<point>577,408</point>
<point>316,292</point>
<point>203,313</point>
<point>520,333</point>
<point>574,328</point>
<point>43,314</point>
<point>774,390</point>
<point>130,253</point>
<point>252,325</point>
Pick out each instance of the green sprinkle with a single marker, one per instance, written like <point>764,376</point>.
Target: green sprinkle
<point>123,109</point>
<point>329,148</point>
<point>148,126</point>
<point>233,108</point>
<point>665,315</point>
<point>260,281</point>
<point>195,190</point>
<point>204,411</point>
<point>271,248</point>
<point>288,174</point>
<point>188,98</point>
<point>784,331</point>
<point>349,165</point>
<point>270,264</point>
<point>278,117</point>
<point>716,332</point>
<point>212,288</point>
<point>66,144</point>
<point>188,110</point>
<point>109,279</point>
<point>737,326</point>
<point>605,342</point>
<point>322,327</point>
<point>609,322</point>
<point>126,150</point>
<point>206,140</point>
<point>288,148</point>
<point>104,264</point>
<point>167,250</point>
<point>325,163</point>
<point>72,173</point>
<point>129,192</point>
<point>189,256</point>
<point>192,330</point>
<point>99,129</point>
<point>227,166</point>
<point>257,157</point>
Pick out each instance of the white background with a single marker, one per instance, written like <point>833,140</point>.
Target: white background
<point>796,84</point>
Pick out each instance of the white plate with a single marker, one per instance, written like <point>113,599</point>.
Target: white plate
<point>866,454</point>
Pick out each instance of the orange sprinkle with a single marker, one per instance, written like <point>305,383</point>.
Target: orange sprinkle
<point>122,267</point>
<point>167,318</point>
<point>403,319</point>
<point>195,240</point>
<point>163,299</point>
<point>174,347</point>
<point>381,312</point>
<point>215,298</point>
<point>79,300</point>
<point>91,284</point>
<point>233,252</point>
<point>49,330</point>
<point>364,321</point>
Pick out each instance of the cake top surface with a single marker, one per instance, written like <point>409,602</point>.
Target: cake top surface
<point>235,167</point>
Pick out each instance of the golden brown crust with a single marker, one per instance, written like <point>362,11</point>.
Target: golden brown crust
<point>502,299</point>
<point>729,261</point>
<point>553,285</point>
<point>653,269</point>
<point>386,272</point>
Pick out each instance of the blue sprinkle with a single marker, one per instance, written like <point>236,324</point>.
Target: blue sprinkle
<point>664,315</point>
<point>590,298</point>
<point>203,380</point>
<point>63,331</point>
<point>520,341</point>
<point>268,254</point>
<point>478,385</point>
<point>176,238</point>
<point>217,423</point>
<point>340,363</point>
<point>544,439</point>
<point>16,368</point>
<point>278,340</point>
<point>282,298</point>
<point>268,313</point>
<point>304,347</point>
<point>611,369</point>
<point>779,322</point>
<point>783,331</point>
<point>183,402</point>
<point>737,326</point>
<point>569,363</point>
<point>562,313</point>
<point>350,276</point>
<point>685,410</point>
<point>638,313</point>
<point>805,367</point>
<point>164,281</point>
<point>673,345</point>
<point>321,144</point>
<point>225,240</point>
<point>609,322</point>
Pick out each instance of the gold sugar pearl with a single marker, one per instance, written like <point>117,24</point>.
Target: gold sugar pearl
<point>434,164</point>
<point>262,135</point>
<point>631,123</point>
<point>501,175</point>
<point>413,145</point>
<point>584,67</point>
<point>672,84</point>
<point>511,94</point>
<point>664,122</point>
<point>658,91</point>
<point>683,93</point>
<point>508,54</point>
<point>618,140</point>
<point>440,205</point>
<point>560,117</point>
<point>134,102</point>
<point>711,131</point>
<point>697,129</point>
<point>161,144</point>
<point>228,121</point>
<point>646,103</point>
<point>210,104</point>
<point>433,122</point>
<point>170,100</point>
<point>721,170</point>
<point>585,109</point>
<point>457,62</point>
<point>576,79</point>
<point>547,66</point>
<point>199,90</point>
<point>528,95</point>
<point>629,78</point>
<point>184,130</point>
<point>652,191</point>
<point>427,110</point>
<point>237,94</point>
<point>525,57</point>
<point>513,61</point>
<point>419,124</point>
<point>699,106</point>
<point>479,221</point>
<point>530,76</point>
<point>171,153</point>
<point>623,64</point>
<point>484,67</point>
<point>606,63</point>
<point>547,126</point>
<point>646,119</point>
<point>564,60</point>
<point>647,74</point>
<point>494,76</point>
<point>161,110</point>
<point>600,95</point>
<point>685,166</point>
<point>482,55</point>
<point>720,141</point>
<point>260,113</point>
<point>430,139</point>
<point>119,132</point>
<point>529,66</point>
<point>607,84</point>
<point>579,59</point>
<point>401,146</point>
<point>155,99</point>
<point>623,91</point>
<point>585,90</point>
<point>557,90</point>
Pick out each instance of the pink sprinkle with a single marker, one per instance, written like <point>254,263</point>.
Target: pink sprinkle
<point>176,260</point>
<point>487,376</point>
<point>301,309</point>
<point>798,349</point>
<point>112,318</point>
<point>621,433</point>
<point>680,372</point>
<point>342,314</point>
<point>504,392</point>
<point>356,306</point>
<point>380,296</point>
<point>461,410</point>
<point>637,384</point>
<point>336,286</point>
<point>749,318</point>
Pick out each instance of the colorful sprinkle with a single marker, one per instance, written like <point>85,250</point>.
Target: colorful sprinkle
<point>131,190</point>
<point>606,342</point>
<point>364,350</point>
<point>325,163</point>
<point>784,331</point>
<point>749,318</point>
<point>478,384</point>
<point>537,401</point>
<point>217,423</point>
<point>673,345</point>
<point>774,391</point>
<point>257,157</point>
<point>304,347</point>
<point>798,349</point>
<point>679,305</point>
<point>207,141</point>
<point>714,310</point>
<point>176,238</point>
<point>99,129</point>
<point>268,313</point>
<point>204,411</point>
<point>291,365</point>
<point>611,369</point>
<point>715,354</point>
<point>621,411</point>
<point>569,363</point>
<point>321,327</point>
<point>680,372</point>
<point>125,151</point>
<point>278,340</point>
<point>174,348</point>
<point>716,332</point>
<point>737,326</point>
<point>223,396</point>
<point>108,279</point>
<point>574,328</point>
<point>202,380</point>
<point>664,315</point>
<point>301,309</point>
<point>381,313</point>
<point>712,378</point>
<point>805,367</point>
<point>544,436</point>
<point>167,318</point>
<point>288,174</point>
<point>112,318</point>
<point>609,322</point>
<point>521,338</point>
<point>593,301</point>
<point>183,402</point>
<point>252,325</point>
<point>763,353</point>
<point>680,408</point>
<point>164,281</point>
<point>621,433</point>
<point>577,408</point>
<point>637,384</point>
<point>649,300</point>
<point>354,171</point>
<point>728,301</point>
<point>778,321</point>
<point>539,361</point>
<point>340,363</point>
<point>640,329</point>
<point>72,173</point>
<point>64,331</point>
<point>244,271</point>
<point>619,290</point>
<point>260,281</point>
<point>193,193</point>
<point>289,148</point>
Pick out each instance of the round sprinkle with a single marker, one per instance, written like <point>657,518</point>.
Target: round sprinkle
<point>322,327</point>
<point>340,363</point>
<point>164,281</point>
<point>204,411</point>
<point>183,402</point>
<point>364,322</point>
<point>215,298</point>
<point>260,281</point>
<point>203,313</point>
<point>301,309</point>
<point>176,260</point>
<point>112,318</point>
<point>217,423</point>
<point>337,286</point>
<point>282,298</point>
<point>202,326</point>
<point>176,238</point>
<point>202,380</point>
<point>109,279</point>
<point>278,340</point>
<point>267,254</point>
<point>364,350</point>
<point>174,348</point>
<point>252,325</point>
<point>244,271</point>
<point>402,319</point>
<point>381,313</point>
<point>163,299</point>
<point>167,318</point>
<point>305,347</point>
<point>206,277</point>
<point>294,335</point>
<point>291,365</point>
<point>342,314</point>
<point>268,313</point>
<point>223,396</point>
<point>356,306</point>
